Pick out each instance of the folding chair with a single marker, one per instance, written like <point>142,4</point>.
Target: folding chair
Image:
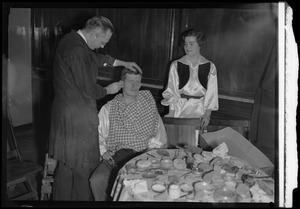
<point>48,178</point>
<point>19,172</point>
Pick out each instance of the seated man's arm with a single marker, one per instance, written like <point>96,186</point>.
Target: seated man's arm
<point>103,128</point>
<point>160,139</point>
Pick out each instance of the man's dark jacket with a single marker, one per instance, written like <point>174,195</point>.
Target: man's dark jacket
<point>74,120</point>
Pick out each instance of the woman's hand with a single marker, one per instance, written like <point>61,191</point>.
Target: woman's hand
<point>204,120</point>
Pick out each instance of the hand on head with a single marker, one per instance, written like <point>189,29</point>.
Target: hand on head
<point>134,67</point>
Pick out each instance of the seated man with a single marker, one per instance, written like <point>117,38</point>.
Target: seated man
<point>129,124</point>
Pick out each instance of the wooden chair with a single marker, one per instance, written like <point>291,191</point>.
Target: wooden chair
<point>181,131</point>
<point>19,171</point>
<point>48,178</point>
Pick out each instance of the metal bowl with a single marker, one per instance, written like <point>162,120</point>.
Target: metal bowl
<point>186,187</point>
<point>197,171</point>
<point>166,163</point>
<point>159,187</point>
<point>224,195</point>
<point>202,185</point>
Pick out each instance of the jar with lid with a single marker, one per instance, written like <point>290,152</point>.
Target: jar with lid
<point>174,191</point>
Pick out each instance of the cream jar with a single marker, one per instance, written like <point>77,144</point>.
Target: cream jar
<point>174,191</point>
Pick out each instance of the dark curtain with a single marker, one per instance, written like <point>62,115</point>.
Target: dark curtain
<point>263,122</point>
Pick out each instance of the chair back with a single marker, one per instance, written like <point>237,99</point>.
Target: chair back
<point>12,147</point>
<point>181,131</point>
<point>18,171</point>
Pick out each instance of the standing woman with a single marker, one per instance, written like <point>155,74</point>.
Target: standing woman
<point>192,90</point>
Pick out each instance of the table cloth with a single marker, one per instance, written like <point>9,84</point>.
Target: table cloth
<point>192,175</point>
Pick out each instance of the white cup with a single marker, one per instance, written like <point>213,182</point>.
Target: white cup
<point>174,191</point>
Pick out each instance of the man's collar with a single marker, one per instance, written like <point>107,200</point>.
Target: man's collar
<point>81,34</point>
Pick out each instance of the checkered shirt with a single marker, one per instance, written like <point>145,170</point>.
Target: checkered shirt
<point>131,125</point>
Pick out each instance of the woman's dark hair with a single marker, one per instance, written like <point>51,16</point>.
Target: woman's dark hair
<point>200,37</point>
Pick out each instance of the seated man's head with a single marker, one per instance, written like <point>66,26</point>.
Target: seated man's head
<point>132,82</point>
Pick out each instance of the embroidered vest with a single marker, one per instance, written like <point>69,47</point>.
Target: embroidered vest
<point>184,74</point>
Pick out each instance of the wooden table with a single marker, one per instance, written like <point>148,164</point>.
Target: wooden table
<point>220,179</point>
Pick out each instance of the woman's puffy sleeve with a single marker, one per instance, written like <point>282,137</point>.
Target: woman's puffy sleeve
<point>211,101</point>
<point>103,127</point>
<point>171,94</point>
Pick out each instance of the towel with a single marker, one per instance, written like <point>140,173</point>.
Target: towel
<point>137,186</point>
<point>221,150</point>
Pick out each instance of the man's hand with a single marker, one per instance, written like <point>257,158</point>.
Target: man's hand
<point>133,66</point>
<point>114,87</point>
<point>130,65</point>
<point>107,156</point>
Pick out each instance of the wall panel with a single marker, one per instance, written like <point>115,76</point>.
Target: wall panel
<point>142,36</point>
<point>19,66</point>
<point>149,37</point>
<point>238,43</point>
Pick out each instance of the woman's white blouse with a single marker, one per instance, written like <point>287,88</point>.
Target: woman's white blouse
<point>191,108</point>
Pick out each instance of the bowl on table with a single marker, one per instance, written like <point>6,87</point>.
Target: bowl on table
<point>179,163</point>
<point>202,185</point>
<point>143,164</point>
<point>197,171</point>
<point>230,183</point>
<point>163,153</point>
<point>186,187</point>
<point>159,172</point>
<point>155,163</point>
<point>131,168</point>
<point>224,195</point>
<point>148,175</point>
<point>166,163</point>
<point>158,187</point>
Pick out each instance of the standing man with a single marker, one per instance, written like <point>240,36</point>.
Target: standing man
<point>74,124</point>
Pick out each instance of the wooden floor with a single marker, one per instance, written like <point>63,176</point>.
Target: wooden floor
<point>29,148</point>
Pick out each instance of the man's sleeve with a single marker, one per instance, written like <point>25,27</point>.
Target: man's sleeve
<point>83,78</point>
<point>105,60</point>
